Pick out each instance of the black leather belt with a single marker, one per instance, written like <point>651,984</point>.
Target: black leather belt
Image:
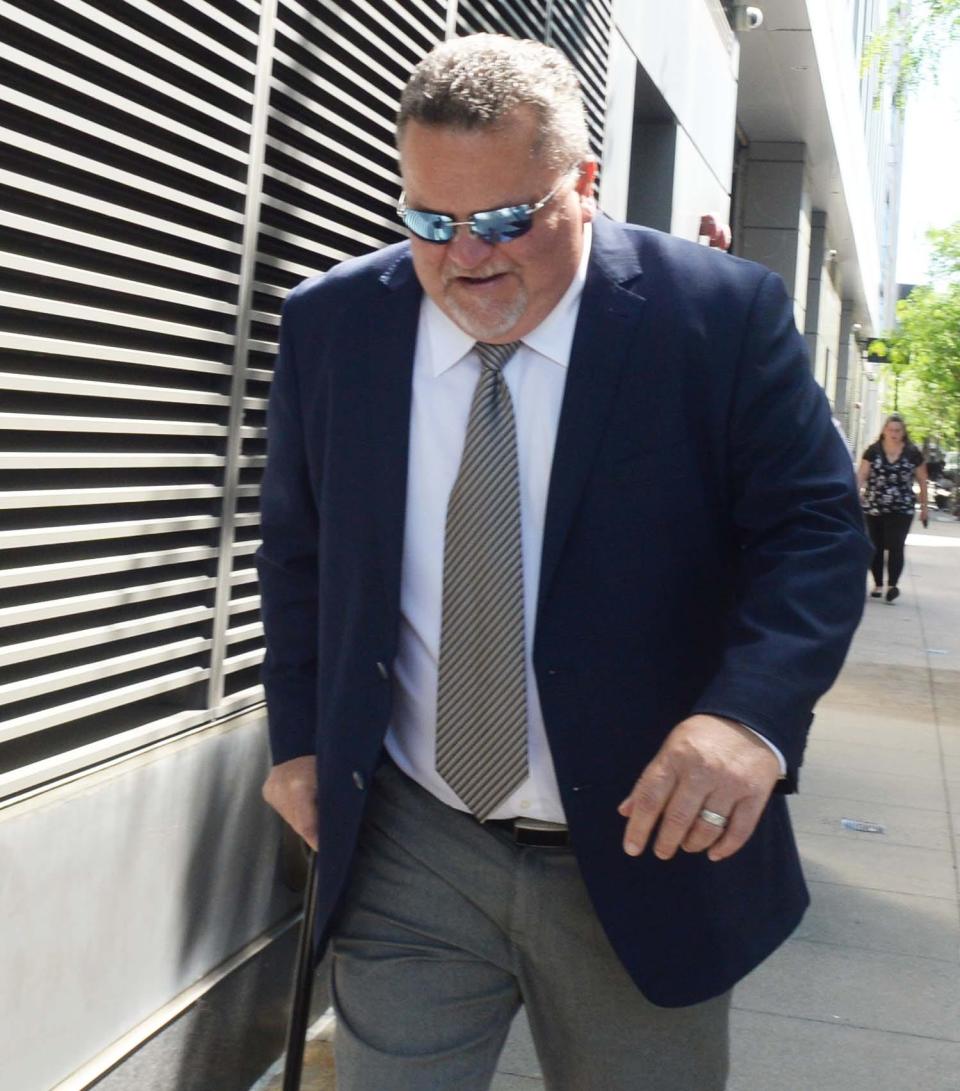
<point>531,831</point>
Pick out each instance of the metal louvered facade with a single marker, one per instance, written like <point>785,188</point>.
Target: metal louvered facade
<point>580,28</point>
<point>168,173</point>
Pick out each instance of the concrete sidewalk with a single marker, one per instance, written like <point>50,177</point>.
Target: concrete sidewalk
<point>866,995</point>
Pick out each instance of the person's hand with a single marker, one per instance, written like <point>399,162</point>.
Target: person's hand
<point>923,519</point>
<point>291,790</point>
<point>705,763</point>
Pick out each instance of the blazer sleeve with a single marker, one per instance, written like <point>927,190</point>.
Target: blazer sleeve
<point>802,554</point>
<point>287,560</point>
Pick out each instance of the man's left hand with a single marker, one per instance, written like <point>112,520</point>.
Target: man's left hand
<point>706,762</point>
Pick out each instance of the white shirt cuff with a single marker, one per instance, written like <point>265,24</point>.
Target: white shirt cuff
<point>763,738</point>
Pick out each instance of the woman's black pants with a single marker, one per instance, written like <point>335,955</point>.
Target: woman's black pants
<point>888,533</point>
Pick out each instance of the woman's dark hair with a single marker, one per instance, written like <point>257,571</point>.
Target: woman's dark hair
<point>896,418</point>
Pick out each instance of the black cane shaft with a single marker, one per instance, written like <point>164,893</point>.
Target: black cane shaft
<point>302,986</point>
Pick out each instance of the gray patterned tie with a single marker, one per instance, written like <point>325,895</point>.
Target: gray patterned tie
<point>481,692</point>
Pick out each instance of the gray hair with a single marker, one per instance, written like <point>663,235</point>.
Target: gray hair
<point>478,81</point>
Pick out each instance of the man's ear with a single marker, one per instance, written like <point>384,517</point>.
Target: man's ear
<point>585,187</point>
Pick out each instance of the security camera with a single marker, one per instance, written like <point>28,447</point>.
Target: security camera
<point>856,327</point>
<point>831,255</point>
<point>746,18</point>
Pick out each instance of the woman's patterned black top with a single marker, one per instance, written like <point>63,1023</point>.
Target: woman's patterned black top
<point>890,484</point>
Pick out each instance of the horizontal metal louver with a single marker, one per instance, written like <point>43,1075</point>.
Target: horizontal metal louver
<point>579,28</point>
<point>518,18</point>
<point>329,191</point>
<point>126,129</point>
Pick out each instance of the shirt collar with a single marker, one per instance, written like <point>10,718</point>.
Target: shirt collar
<point>553,338</point>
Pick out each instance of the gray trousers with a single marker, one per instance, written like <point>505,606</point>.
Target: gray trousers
<point>449,927</point>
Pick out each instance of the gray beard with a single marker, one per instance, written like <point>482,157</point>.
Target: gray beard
<point>484,327</point>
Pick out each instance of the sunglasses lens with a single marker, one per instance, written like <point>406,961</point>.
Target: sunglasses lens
<point>493,226</point>
<point>430,226</point>
<point>502,224</point>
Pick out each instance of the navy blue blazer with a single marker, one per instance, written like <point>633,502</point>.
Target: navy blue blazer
<point>703,552</point>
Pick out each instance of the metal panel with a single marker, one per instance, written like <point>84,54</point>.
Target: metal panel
<point>81,460</point>
<point>78,85</point>
<point>76,199</point>
<point>45,114</point>
<point>580,28</point>
<point>96,602</point>
<point>61,155</point>
<point>519,18</point>
<point>126,129</point>
<point>102,352</point>
<point>36,422</point>
<point>31,722</point>
<point>74,274</point>
<point>56,498</point>
<point>69,762</point>
<point>98,566</point>
<point>151,46</point>
<point>62,643</point>
<point>329,187</point>
<point>90,52</point>
<point>103,668</point>
<point>233,491</point>
<point>85,388</point>
<point>129,321</point>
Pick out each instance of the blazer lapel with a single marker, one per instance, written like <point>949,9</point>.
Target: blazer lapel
<point>391,343</point>
<point>610,311</point>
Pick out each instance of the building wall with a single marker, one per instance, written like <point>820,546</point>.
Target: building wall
<point>824,306</point>
<point>828,342</point>
<point>121,889</point>
<point>775,228</point>
<point>868,136</point>
<point>696,189</point>
<point>618,138</point>
<point>855,128</point>
<point>689,54</point>
<point>803,97</point>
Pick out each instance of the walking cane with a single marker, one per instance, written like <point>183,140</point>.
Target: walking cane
<point>302,985</point>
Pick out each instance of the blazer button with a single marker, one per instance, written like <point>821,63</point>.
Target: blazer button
<point>358,780</point>
<point>382,669</point>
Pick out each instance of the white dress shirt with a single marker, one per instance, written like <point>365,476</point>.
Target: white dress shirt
<point>445,372</point>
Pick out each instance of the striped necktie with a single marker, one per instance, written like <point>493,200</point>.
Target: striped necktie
<point>481,691</point>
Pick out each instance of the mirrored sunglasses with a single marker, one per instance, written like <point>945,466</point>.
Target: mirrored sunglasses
<point>494,225</point>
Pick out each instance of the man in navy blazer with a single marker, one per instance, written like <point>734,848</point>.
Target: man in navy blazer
<point>692,572</point>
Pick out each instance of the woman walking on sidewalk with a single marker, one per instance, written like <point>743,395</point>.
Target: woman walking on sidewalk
<point>885,475</point>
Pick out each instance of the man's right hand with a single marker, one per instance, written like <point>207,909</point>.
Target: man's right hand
<point>291,790</point>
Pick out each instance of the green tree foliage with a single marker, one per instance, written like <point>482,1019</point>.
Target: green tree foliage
<point>894,359</point>
<point>910,42</point>
<point>928,338</point>
<point>922,415</point>
<point>945,252</point>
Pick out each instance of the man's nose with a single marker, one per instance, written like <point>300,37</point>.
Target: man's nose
<point>467,250</point>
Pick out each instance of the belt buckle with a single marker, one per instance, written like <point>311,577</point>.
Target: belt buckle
<point>535,831</point>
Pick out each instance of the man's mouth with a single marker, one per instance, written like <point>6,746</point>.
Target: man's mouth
<point>479,282</point>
